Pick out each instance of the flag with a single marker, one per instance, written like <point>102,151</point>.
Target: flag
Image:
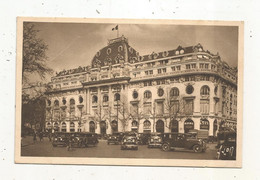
<point>115,28</point>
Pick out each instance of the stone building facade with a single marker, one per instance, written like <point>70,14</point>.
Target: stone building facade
<point>170,91</point>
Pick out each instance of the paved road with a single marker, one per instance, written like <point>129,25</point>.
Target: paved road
<point>103,150</point>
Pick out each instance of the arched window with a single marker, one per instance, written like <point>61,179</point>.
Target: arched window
<point>135,94</point>
<point>147,124</point>
<point>48,125</point>
<point>80,99</point>
<point>188,125</point>
<point>105,98</point>
<point>72,102</point>
<point>94,99</point>
<point>56,103</point>
<point>204,90</point>
<point>174,92</point>
<point>174,126</point>
<point>117,97</point>
<point>64,101</point>
<point>63,127</point>
<point>56,127</point>
<point>204,124</point>
<point>92,127</point>
<point>147,94</point>
<point>48,102</point>
<point>160,92</point>
<point>72,127</point>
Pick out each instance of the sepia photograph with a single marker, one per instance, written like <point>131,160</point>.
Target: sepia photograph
<point>129,92</point>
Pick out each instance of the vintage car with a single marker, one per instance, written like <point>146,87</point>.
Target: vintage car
<point>59,139</point>
<point>90,139</point>
<point>227,147</point>
<point>185,141</point>
<point>155,140</point>
<point>129,142</point>
<point>115,138</point>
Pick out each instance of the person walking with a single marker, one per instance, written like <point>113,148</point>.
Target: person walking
<point>40,136</point>
<point>69,143</point>
<point>34,137</point>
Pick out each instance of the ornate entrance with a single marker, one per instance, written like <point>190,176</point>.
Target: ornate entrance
<point>188,125</point>
<point>103,128</point>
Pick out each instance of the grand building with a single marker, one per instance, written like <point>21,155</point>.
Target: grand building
<point>171,91</point>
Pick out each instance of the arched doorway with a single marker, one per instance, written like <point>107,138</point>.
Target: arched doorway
<point>160,126</point>
<point>92,127</point>
<point>103,127</point>
<point>188,125</point>
<point>56,127</point>
<point>215,127</point>
<point>63,127</point>
<point>72,127</point>
<point>174,126</point>
<point>114,126</point>
<point>204,124</point>
<point>134,126</point>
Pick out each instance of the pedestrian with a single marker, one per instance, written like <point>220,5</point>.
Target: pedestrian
<point>41,136</point>
<point>34,137</point>
<point>49,136</point>
<point>69,143</point>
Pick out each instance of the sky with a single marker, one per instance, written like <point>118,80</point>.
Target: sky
<point>74,44</point>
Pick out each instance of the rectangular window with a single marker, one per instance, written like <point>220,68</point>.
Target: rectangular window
<point>178,68</point>
<point>187,66</point>
<point>74,82</point>
<point>147,109</point>
<point>146,72</point>
<point>201,65</point>
<point>159,71</point>
<point>173,68</point>
<point>134,109</point>
<point>164,70</point>
<point>192,78</point>
<point>193,66</point>
<point>206,66</point>
<point>159,108</point>
<point>204,106</point>
<point>174,107</point>
<point>158,82</point>
<point>213,66</point>
<point>188,106</point>
<point>187,78</point>
<point>151,72</point>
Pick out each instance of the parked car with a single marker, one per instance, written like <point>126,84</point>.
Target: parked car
<point>155,140</point>
<point>129,142</point>
<point>200,134</point>
<point>59,139</point>
<point>115,138</point>
<point>90,139</point>
<point>227,149</point>
<point>180,140</point>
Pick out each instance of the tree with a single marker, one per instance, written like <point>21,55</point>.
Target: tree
<point>175,106</point>
<point>137,113</point>
<point>34,54</point>
<point>124,113</point>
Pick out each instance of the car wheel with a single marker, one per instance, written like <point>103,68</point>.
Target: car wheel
<point>197,148</point>
<point>166,147</point>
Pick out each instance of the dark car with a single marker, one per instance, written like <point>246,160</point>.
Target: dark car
<point>186,141</point>
<point>129,142</point>
<point>59,139</point>
<point>90,139</point>
<point>227,149</point>
<point>155,140</point>
<point>115,138</point>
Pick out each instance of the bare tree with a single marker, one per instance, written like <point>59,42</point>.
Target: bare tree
<point>124,113</point>
<point>175,107</point>
<point>99,114</point>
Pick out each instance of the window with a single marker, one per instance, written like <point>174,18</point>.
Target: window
<point>134,109</point>
<point>160,108</point>
<point>159,71</point>
<point>187,66</point>
<point>80,99</point>
<point>49,102</point>
<point>188,107</point>
<point>94,99</point>
<point>160,92</point>
<point>164,70</point>
<point>201,65</point>
<point>117,97</point>
<point>147,124</point>
<point>64,101</point>
<point>146,72</point>
<point>213,66</point>
<point>120,48</point>
<point>151,72</point>
<point>135,94</point>
<point>147,94</point>
<point>174,106</point>
<point>72,127</point>
<point>92,127</point>
<point>178,68</point>
<point>105,98</point>
<point>56,103</point>
<point>187,78</point>
<point>188,125</point>
<point>109,51</point>
<point>147,108</point>
<point>193,66</point>
<point>173,68</point>
<point>204,106</point>
<point>189,89</point>
<point>72,102</point>
<point>174,92</point>
<point>204,90</point>
<point>206,66</point>
<point>216,90</point>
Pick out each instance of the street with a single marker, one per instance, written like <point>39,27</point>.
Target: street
<point>102,150</point>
